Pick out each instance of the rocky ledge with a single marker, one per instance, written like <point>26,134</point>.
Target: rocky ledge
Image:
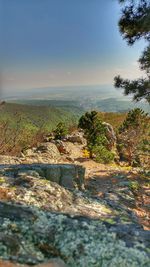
<point>31,236</point>
<point>67,175</point>
<point>41,220</point>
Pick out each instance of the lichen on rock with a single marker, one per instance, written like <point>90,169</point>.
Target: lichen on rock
<point>77,240</point>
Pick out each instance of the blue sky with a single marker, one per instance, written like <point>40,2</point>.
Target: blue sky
<point>63,42</point>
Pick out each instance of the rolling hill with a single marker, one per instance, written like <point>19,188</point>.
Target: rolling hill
<point>40,116</point>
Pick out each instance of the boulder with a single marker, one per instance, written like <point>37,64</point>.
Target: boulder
<point>61,147</point>
<point>29,152</point>
<point>53,173</point>
<point>76,137</point>
<point>67,175</point>
<point>110,134</point>
<point>50,149</point>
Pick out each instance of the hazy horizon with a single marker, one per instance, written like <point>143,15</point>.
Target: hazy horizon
<point>69,92</point>
<point>57,43</point>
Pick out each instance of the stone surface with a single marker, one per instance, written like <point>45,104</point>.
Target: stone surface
<point>41,220</point>
<point>55,151</point>
<point>10,264</point>
<point>25,173</point>
<point>67,175</point>
<point>51,197</point>
<point>110,133</point>
<point>9,160</point>
<point>76,137</point>
<point>50,149</point>
<point>53,173</point>
<point>51,263</point>
<point>78,240</point>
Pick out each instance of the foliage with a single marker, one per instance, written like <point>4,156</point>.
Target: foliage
<point>135,118</point>
<point>95,132</point>
<point>133,136</point>
<point>17,136</point>
<point>115,119</point>
<point>24,126</point>
<point>46,117</point>
<point>134,186</point>
<point>134,22</point>
<point>60,131</point>
<point>86,122</point>
<point>134,25</point>
<point>102,154</point>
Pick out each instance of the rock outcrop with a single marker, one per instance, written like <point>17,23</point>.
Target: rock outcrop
<point>79,241</point>
<point>76,137</point>
<point>48,220</point>
<point>40,220</point>
<point>56,151</point>
<point>44,153</point>
<point>50,263</point>
<point>49,196</point>
<point>67,175</point>
<point>110,134</point>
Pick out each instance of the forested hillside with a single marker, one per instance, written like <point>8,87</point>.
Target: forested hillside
<point>46,117</point>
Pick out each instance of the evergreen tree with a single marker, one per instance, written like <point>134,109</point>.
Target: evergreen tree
<point>60,131</point>
<point>134,24</point>
<point>95,133</point>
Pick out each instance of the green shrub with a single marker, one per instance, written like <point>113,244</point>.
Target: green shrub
<point>96,134</point>
<point>102,154</point>
<point>60,131</point>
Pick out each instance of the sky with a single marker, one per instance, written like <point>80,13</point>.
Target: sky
<point>47,43</point>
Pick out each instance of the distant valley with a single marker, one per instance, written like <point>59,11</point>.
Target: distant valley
<point>103,98</point>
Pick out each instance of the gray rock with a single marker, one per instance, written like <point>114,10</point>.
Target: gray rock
<point>68,176</point>
<point>78,240</point>
<point>16,212</point>
<point>49,148</point>
<point>39,170</point>
<point>53,173</point>
<point>76,137</point>
<point>54,263</point>
<point>110,133</point>
<point>80,177</point>
<point>28,173</point>
<point>29,152</point>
